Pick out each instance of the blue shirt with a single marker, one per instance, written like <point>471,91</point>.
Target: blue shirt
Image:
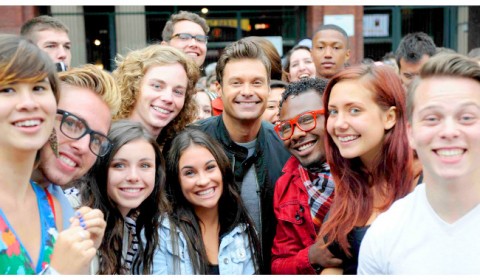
<point>234,255</point>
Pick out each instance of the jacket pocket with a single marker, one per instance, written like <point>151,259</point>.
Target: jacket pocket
<point>179,252</point>
<point>292,212</point>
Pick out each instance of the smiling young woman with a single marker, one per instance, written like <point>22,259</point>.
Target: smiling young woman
<point>208,230</point>
<point>366,145</point>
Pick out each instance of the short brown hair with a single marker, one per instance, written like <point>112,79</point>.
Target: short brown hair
<point>242,49</point>
<point>167,32</point>
<point>22,61</point>
<point>443,64</point>
<point>41,23</point>
<point>272,54</point>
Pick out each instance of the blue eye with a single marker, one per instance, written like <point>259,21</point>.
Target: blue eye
<point>467,118</point>
<point>179,92</point>
<point>332,111</point>
<point>354,110</point>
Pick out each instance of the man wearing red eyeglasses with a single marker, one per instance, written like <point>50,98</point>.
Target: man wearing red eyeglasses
<point>304,193</point>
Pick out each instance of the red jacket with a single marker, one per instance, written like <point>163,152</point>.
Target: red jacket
<point>295,230</point>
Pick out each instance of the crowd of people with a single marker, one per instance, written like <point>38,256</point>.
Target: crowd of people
<point>313,165</point>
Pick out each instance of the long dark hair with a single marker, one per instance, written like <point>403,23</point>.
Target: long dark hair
<point>232,211</point>
<point>147,215</point>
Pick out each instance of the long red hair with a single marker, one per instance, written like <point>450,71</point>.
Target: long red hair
<point>354,184</point>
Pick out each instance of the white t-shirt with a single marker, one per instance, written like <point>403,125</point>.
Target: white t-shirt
<point>410,238</point>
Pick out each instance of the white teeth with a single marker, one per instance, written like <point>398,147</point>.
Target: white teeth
<point>450,153</point>
<point>206,192</point>
<point>161,110</point>
<point>347,138</point>
<point>306,146</point>
<point>130,190</point>
<point>192,54</point>
<point>304,76</point>
<point>67,161</point>
<point>28,123</point>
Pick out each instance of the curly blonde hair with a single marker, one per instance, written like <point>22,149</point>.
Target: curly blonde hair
<point>130,72</point>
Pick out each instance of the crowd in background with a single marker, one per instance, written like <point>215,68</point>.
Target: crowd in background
<point>255,164</point>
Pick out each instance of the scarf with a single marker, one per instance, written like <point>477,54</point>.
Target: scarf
<point>320,192</point>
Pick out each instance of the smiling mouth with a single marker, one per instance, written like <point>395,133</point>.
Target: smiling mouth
<point>306,146</point>
<point>348,138</point>
<point>130,190</point>
<point>304,76</point>
<point>247,102</point>
<point>163,111</point>
<point>29,123</point>
<point>67,161</point>
<point>206,192</point>
<point>449,152</point>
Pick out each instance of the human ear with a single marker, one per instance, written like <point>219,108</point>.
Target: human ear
<point>390,117</point>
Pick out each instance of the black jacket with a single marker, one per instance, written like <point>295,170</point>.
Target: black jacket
<point>269,158</point>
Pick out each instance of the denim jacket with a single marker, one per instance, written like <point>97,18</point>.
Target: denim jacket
<point>234,255</point>
<point>269,158</point>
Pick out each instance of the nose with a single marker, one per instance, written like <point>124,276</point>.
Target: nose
<point>449,130</point>
<point>202,180</point>
<point>27,101</point>
<point>297,133</point>
<point>167,95</point>
<point>328,52</point>
<point>192,42</point>
<point>81,145</point>
<point>132,176</point>
<point>246,89</point>
<point>62,53</point>
<point>301,66</point>
<point>340,122</point>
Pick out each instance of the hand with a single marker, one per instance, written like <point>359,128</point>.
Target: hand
<point>319,254</point>
<point>73,251</point>
<point>91,220</point>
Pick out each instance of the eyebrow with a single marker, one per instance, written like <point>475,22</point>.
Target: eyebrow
<point>348,104</point>
<point>124,159</point>
<point>58,43</point>
<point>189,166</point>
<point>263,78</point>
<point>436,107</point>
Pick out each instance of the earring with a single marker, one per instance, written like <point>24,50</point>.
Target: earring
<point>54,142</point>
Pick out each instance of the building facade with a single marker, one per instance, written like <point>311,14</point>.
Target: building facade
<point>99,33</point>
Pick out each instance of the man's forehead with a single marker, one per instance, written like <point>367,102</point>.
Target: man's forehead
<point>51,34</point>
<point>329,35</point>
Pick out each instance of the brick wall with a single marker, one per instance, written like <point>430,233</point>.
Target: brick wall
<point>13,17</point>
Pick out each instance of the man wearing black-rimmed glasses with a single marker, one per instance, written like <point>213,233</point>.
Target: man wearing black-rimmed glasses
<point>304,193</point>
<point>187,32</point>
<point>88,99</point>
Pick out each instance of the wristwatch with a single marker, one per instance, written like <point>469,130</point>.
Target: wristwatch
<point>318,268</point>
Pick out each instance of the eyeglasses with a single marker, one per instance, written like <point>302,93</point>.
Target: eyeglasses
<point>75,128</point>
<point>305,122</point>
<point>187,37</point>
